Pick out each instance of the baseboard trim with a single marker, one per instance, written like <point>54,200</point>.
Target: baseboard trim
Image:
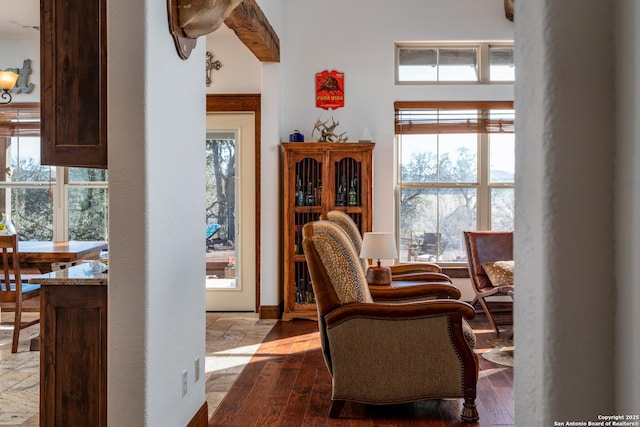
<point>201,418</point>
<point>269,312</point>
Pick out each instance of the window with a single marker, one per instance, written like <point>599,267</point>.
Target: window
<point>47,203</point>
<point>456,172</point>
<point>87,203</point>
<point>459,62</point>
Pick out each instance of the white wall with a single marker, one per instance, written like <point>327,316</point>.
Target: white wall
<point>272,101</point>
<point>241,71</point>
<point>12,55</point>
<point>156,192</point>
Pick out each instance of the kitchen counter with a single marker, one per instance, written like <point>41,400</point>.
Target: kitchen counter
<point>81,274</point>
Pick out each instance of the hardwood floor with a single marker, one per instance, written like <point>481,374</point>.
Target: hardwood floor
<point>287,384</point>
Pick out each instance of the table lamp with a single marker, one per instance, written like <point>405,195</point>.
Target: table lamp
<point>378,245</point>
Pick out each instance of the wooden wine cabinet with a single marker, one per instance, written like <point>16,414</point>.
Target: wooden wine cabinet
<point>319,177</point>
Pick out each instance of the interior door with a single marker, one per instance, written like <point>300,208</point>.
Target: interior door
<point>231,230</point>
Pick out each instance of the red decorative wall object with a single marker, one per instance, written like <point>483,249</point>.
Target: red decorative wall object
<point>330,89</point>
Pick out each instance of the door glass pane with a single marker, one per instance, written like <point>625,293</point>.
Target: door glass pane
<point>221,202</point>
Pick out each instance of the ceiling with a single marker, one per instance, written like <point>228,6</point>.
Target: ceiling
<point>18,19</point>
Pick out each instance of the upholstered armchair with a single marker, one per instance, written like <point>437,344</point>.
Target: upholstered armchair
<point>423,271</point>
<point>490,260</point>
<point>392,352</point>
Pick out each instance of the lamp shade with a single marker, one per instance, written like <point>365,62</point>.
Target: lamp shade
<point>8,80</point>
<point>378,245</point>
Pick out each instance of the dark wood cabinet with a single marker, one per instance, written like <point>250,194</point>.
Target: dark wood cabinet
<point>319,177</point>
<point>73,94</point>
<point>73,352</point>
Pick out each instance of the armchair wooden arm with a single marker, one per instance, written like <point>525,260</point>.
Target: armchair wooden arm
<point>416,267</point>
<point>426,276</point>
<point>455,308</point>
<point>412,291</point>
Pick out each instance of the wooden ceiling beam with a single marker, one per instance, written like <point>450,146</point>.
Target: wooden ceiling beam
<point>251,26</point>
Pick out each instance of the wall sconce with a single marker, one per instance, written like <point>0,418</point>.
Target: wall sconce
<point>378,245</point>
<point>190,19</point>
<point>7,82</point>
<point>211,65</point>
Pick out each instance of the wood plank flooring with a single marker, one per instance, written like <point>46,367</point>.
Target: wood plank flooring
<point>287,384</point>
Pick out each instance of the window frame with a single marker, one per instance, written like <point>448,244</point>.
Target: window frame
<point>60,197</point>
<point>483,185</point>
<point>23,120</point>
<point>482,65</point>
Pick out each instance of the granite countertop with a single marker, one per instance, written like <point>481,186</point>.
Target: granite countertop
<point>81,274</point>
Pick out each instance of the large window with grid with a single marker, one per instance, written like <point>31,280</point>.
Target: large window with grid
<point>47,202</point>
<point>456,172</point>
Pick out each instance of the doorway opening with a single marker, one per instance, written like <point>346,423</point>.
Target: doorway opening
<point>230,237</point>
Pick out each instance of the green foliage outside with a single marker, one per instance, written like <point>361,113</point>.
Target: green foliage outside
<point>32,208</point>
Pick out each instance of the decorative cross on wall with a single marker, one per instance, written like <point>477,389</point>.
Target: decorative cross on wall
<point>211,65</point>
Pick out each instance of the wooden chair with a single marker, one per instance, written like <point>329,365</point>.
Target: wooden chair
<point>387,353</point>
<point>488,247</point>
<point>12,290</point>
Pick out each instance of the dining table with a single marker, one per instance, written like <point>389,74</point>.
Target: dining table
<point>37,256</point>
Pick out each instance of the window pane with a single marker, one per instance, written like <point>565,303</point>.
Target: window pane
<point>417,65</point>
<point>439,158</point>
<point>501,66</point>
<point>458,157</point>
<point>415,73</point>
<point>437,64</point>
<point>24,161</point>
<point>87,175</point>
<point>31,211</point>
<point>502,161</point>
<point>88,211</point>
<point>419,157</point>
<point>432,221</point>
<point>502,208</point>
<point>458,65</point>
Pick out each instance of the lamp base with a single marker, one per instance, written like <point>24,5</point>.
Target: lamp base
<point>379,276</point>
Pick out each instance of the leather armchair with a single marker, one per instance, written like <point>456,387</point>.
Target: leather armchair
<point>488,247</point>
<point>424,271</point>
<point>387,353</point>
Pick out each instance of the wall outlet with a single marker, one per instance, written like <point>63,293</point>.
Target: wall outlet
<point>185,380</point>
<point>196,369</point>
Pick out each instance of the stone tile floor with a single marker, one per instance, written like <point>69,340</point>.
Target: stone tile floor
<point>231,341</point>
